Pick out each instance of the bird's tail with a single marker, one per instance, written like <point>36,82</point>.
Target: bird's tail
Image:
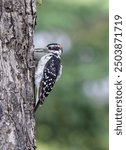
<point>37,102</point>
<point>36,106</point>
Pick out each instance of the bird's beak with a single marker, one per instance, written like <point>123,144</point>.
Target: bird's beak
<point>42,50</point>
<point>39,52</point>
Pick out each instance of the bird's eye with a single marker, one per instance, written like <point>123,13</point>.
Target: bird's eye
<point>49,47</point>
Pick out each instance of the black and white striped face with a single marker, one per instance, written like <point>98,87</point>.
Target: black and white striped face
<point>55,48</point>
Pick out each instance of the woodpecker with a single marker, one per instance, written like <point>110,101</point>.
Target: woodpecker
<point>48,71</point>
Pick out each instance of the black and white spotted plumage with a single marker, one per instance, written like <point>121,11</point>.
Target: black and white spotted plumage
<point>48,72</point>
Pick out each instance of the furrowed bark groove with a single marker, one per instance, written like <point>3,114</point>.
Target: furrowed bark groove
<point>17,21</point>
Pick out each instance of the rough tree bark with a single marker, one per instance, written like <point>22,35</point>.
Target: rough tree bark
<point>17,21</point>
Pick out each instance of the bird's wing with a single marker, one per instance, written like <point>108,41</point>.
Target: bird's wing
<point>50,74</point>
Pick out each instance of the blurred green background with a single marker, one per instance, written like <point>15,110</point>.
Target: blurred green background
<point>75,115</point>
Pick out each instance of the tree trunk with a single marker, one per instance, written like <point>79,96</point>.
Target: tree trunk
<point>17,20</point>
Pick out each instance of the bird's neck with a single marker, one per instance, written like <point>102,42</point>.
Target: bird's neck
<point>56,55</point>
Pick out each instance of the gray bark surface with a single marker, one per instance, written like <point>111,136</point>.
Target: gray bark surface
<point>17,122</point>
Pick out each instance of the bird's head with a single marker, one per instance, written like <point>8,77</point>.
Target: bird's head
<point>55,48</point>
<point>52,48</point>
